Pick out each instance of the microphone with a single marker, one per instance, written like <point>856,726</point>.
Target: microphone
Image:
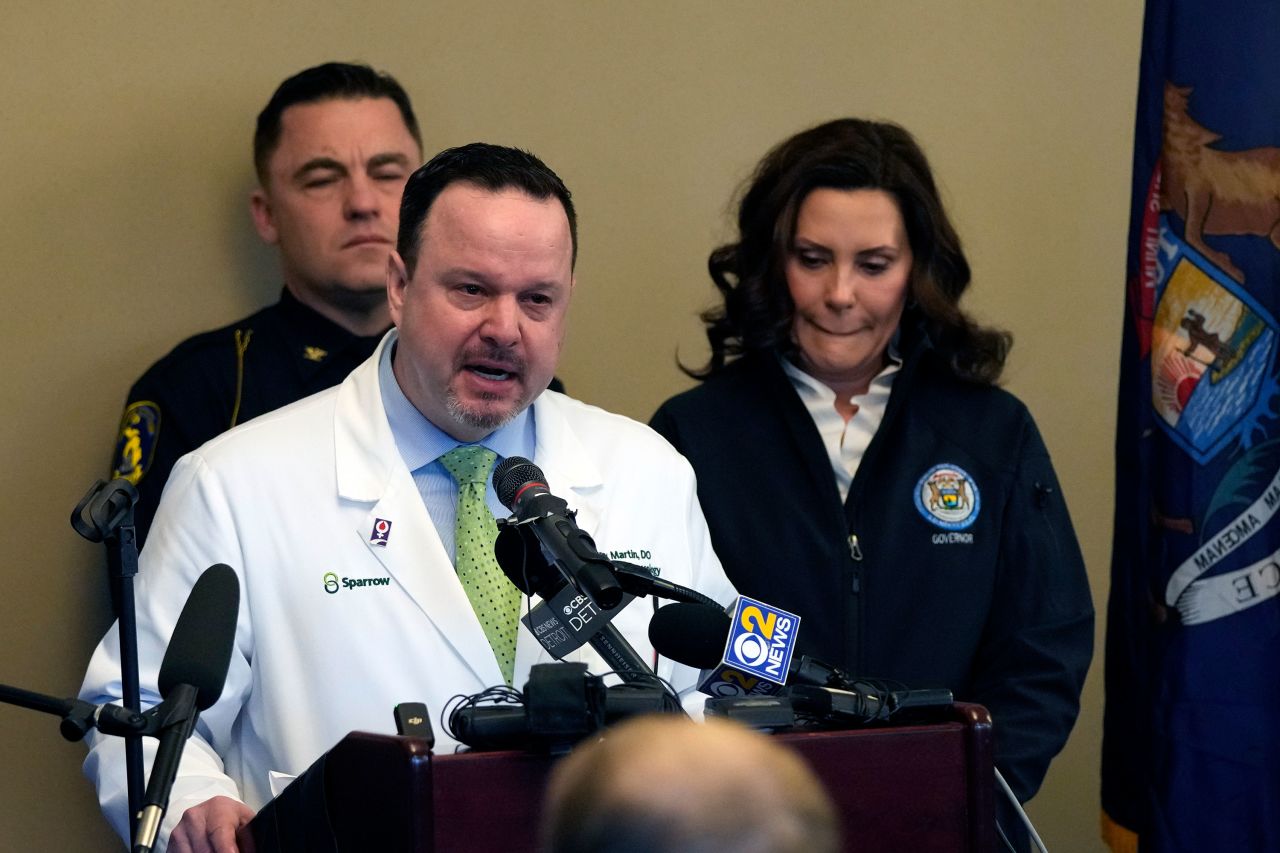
<point>561,704</point>
<point>524,564</point>
<point>700,636</point>
<point>513,726</point>
<point>638,580</point>
<point>522,558</point>
<point>746,652</point>
<point>567,617</point>
<point>192,675</point>
<point>695,635</point>
<point>522,488</point>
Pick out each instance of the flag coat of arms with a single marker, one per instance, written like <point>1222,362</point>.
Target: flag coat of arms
<point>1191,731</point>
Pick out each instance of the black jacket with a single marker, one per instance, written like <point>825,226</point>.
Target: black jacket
<point>973,581</point>
<point>215,380</point>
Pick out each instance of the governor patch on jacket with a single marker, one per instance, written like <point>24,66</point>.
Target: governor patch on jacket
<point>136,446</point>
<point>947,497</point>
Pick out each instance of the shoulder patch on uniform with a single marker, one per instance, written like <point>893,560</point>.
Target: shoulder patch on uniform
<point>948,497</point>
<point>136,446</point>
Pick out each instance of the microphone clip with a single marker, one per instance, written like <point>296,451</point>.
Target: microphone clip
<point>105,510</point>
<point>517,522</point>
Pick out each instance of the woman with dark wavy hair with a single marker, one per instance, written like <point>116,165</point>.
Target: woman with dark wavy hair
<point>847,154</point>
<point>857,464</point>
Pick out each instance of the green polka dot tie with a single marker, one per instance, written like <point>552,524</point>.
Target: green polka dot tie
<point>495,599</point>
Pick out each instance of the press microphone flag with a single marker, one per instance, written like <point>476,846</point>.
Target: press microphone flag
<point>754,657</point>
<point>564,622</point>
<point>565,619</point>
<point>699,636</point>
<point>696,635</point>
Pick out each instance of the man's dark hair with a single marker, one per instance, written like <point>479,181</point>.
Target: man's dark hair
<point>490,167</point>
<point>330,81</point>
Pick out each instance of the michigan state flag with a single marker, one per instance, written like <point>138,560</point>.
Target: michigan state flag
<point>1191,739</point>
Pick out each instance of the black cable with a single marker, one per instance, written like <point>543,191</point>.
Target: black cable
<point>670,698</point>
<point>499,695</point>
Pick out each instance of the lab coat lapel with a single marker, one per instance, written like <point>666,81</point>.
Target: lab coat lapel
<point>370,470</point>
<point>571,471</point>
<point>418,562</point>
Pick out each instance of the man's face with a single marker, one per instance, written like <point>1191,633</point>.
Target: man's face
<point>482,319</point>
<point>332,198</point>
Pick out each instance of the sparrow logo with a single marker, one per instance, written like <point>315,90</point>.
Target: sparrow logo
<point>332,583</point>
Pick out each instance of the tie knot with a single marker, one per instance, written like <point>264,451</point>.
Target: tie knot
<point>469,463</point>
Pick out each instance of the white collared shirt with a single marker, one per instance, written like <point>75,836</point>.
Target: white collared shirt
<point>845,442</point>
<point>421,444</point>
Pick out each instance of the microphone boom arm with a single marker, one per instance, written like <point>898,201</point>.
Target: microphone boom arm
<point>637,580</point>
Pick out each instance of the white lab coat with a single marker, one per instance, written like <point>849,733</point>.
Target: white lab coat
<point>291,496</point>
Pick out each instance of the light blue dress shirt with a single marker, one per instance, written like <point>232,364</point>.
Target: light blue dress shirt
<point>421,444</point>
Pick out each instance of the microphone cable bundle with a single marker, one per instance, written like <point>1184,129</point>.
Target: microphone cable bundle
<point>865,701</point>
<point>857,703</point>
<point>561,704</point>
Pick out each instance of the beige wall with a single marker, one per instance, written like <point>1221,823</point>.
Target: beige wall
<point>124,151</point>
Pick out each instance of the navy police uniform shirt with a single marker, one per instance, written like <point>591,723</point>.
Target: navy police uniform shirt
<point>215,380</point>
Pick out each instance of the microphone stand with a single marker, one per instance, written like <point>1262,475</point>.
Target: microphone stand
<point>172,721</point>
<point>78,717</point>
<point>105,514</point>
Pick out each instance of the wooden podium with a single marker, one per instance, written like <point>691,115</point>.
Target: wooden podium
<point>916,788</point>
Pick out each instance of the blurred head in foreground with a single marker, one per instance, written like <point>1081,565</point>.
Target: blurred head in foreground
<point>662,784</point>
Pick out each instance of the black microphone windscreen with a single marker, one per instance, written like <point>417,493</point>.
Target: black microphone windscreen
<point>521,559</point>
<point>691,634</point>
<point>200,649</point>
<point>512,473</point>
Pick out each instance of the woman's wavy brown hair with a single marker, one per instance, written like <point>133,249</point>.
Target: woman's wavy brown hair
<point>846,154</point>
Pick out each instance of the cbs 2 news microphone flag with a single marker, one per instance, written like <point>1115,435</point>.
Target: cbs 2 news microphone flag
<point>1191,732</point>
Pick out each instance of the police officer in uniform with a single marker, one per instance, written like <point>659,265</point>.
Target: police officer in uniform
<point>333,148</point>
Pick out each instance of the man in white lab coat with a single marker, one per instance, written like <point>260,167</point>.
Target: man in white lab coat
<point>339,516</point>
